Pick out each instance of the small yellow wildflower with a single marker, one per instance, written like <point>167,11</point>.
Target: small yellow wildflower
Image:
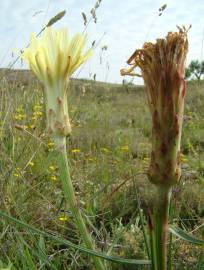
<point>125,148</point>
<point>50,146</point>
<point>104,149</point>
<point>16,173</point>
<point>52,168</point>
<point>37,113</point>
<point>53,177</point>
<point>37,107</point>
<point>30,163</point>
<point>63,218</point>
<point>19,116</point>
<point>75,151</point>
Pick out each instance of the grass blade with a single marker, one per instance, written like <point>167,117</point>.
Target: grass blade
<point>185,236</point>
<point>29,259</point>
<point>68,243</point>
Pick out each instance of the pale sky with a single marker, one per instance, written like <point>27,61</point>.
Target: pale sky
<point>126,24</point>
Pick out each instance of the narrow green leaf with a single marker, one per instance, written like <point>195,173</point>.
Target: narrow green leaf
<point>42,251</point>
<point>29,259</point>
<point>68,243</point>
<point>185,236</point>
<point>38,255</point>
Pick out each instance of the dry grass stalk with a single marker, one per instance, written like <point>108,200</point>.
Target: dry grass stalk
<point>163,68</point>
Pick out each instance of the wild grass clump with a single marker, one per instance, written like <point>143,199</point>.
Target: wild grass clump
<point>103,162</point>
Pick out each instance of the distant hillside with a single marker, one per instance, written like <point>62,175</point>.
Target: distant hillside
<point>25,77</point>
<point>19,77</point>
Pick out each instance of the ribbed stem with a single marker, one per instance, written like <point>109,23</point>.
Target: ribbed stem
<point>72,201</point>
<point>160,228</point>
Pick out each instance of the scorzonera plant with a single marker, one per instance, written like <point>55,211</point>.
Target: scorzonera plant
<point>162,67</point>
<point>54,57</point>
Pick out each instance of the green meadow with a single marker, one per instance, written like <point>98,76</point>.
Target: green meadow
<point>108,151</point>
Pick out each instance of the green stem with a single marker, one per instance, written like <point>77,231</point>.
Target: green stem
<point>170,266</point>
<point>160,228</point>
<point>170,246</point>
<point>71,199</point>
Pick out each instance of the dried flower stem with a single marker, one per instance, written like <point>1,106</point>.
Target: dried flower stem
<point>163,66</point>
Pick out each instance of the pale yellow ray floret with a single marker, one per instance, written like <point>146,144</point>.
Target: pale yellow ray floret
<point>55,54</point>
<point>54,57</point>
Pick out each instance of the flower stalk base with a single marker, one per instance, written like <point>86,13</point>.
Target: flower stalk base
<point>72,200</point>
<point>159,228</point>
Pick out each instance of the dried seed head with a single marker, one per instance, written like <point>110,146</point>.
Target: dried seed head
<point>162,67</point>
<point>56,18</point>
<point>84,18</point>
<point>93,13</point>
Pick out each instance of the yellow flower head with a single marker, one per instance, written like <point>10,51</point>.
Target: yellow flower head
<point>30,163</point>
<point>55,55</point>
<point>53,58</point>
<point>76,150</point>
<point>63,218</point>
<point>125,148</point>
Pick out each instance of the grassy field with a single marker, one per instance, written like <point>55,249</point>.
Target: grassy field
<point>109,153</point>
